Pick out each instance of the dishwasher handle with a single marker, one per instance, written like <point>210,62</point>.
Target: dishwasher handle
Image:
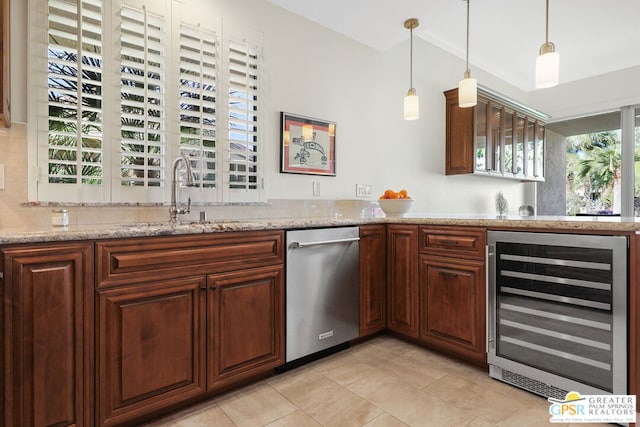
<point>295,245</point>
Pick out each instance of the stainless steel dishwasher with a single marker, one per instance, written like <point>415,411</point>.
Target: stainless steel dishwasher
<point>322,289</point>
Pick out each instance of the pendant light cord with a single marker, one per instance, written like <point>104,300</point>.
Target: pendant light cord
<point>411,59</point>
<point>546,34</point>
<point>469,1</point>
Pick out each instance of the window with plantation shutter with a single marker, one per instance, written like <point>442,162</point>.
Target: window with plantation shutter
<point>74,64</point>
<point>142,98</point>
<point>197,103</point>
<point>118,89</point>
<point>243,68</point>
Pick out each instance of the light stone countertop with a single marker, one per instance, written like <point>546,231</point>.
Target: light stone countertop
<point>599,224</point>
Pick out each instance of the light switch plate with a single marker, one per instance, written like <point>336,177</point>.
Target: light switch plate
<point>2,185</point>
<point>363,190</point>
<point>316,188</point>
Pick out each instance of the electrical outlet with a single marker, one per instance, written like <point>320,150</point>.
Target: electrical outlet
<point>316,188</point>
<point>363,190</point>
<point>2,184</point>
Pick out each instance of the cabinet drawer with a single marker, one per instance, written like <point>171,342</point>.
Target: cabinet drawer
<point>135,260</point>
<point>463,242</point>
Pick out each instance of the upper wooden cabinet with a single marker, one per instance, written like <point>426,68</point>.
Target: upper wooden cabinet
<point>498,137</point>
<point>5,69</point>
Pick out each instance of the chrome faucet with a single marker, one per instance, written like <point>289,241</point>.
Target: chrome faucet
<point>175,209</point>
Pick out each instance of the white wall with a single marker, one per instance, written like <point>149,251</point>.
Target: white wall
<point>315,72</point>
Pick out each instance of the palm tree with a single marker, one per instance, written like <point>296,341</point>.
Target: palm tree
<point>602,169</point>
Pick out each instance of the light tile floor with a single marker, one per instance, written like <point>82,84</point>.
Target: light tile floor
<point>383,382</point>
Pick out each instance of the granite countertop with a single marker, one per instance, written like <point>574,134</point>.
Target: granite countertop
<point>110,231</point>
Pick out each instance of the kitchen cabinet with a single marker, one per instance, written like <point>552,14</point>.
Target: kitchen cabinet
<point>183,317</point>
<point>452,291</point>
<point>151,347</point>
<point>48,334</point>
<point>245,324</point>
<point>373,283</point>
<point>498,137</point>
<point>5,65</point>
<point>402,279</point>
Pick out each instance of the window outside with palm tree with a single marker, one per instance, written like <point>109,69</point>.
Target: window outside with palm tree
<point>594,172</point>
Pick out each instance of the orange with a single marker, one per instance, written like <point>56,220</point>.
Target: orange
<point>390,194</point>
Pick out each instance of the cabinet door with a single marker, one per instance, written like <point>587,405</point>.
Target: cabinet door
<point>48,329</point>
<point>452,312</point>
<point>373,279</point>
<point>151,347</point>
<point>460,154</point>
<point>246,324</point>
<point>402,279</point>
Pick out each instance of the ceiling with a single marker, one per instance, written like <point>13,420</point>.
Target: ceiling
<point>592,36</point>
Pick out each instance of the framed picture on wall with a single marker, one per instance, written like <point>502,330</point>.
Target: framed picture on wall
<point>308,145</point>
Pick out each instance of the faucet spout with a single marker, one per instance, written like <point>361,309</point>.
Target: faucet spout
<point>175,209</point>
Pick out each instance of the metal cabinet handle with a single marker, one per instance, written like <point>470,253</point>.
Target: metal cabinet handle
<point>449,242</point>
<point>213,288</point>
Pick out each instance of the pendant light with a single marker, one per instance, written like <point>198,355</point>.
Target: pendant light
<point>411,104</point>
<point>548,62</point>
<point>467,87</point>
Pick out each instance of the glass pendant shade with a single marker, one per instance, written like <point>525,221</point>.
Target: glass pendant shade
<point>547,70</point>
<point>411,106</point>
<point>467,92</point>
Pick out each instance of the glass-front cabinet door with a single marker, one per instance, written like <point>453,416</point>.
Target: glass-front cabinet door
<point>508,138</point>
<point>481,137</point>
<point>518,144</point>
<point>508,141</point>
<point>539,155</point>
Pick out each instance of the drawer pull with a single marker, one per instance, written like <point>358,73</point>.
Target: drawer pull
<point>213,288</point>
<point>449,242</point>
<point>448,274</point>
<point>203,288</point>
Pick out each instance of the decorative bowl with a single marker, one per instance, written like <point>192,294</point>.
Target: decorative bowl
<point>395,206</point>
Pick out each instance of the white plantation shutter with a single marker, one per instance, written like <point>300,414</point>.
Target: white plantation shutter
<point>119,88</point>
<point>142,98</point>
<point>243,70</point>
<point>74,142</point>
<point>197,104</point>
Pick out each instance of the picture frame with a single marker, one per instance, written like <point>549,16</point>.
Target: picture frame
<point>307,145</point>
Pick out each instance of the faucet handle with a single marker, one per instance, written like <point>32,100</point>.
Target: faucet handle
<point>188,205</point>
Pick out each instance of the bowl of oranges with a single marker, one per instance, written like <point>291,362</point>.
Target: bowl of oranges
<point>395,203</point>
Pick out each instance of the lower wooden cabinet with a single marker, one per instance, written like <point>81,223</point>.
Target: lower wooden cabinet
<point>245,324</point>
<point>402,279</point>
<point>452,306</point>
<point>151,347</point>
<point>373,283</point>
<point>167,342</point>
<point>48,335</point>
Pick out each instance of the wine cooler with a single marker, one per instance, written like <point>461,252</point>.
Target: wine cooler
<point>557,312</point>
